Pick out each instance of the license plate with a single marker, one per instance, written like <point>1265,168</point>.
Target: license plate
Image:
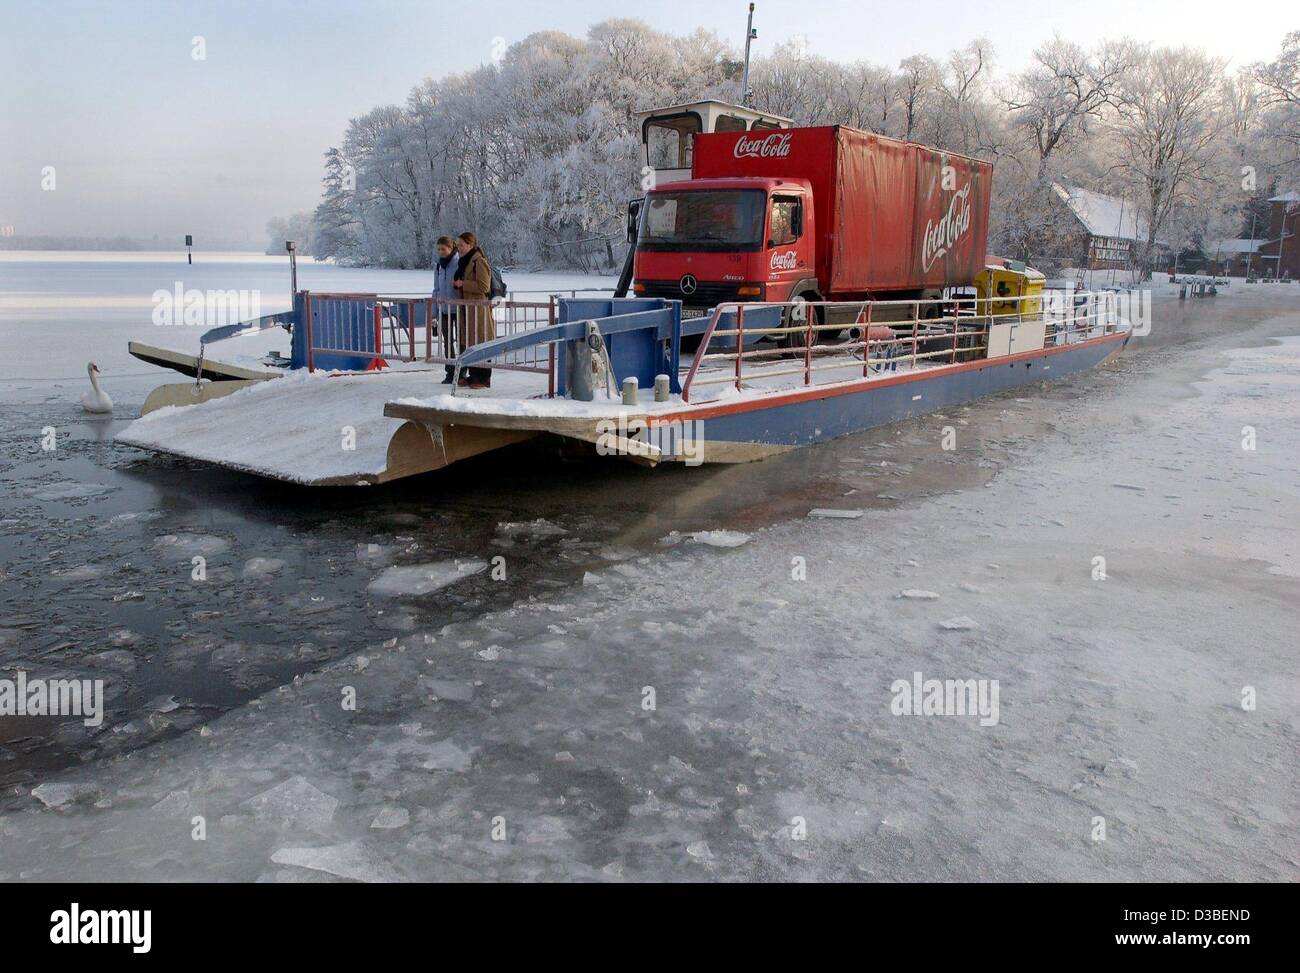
<point>693,312</point>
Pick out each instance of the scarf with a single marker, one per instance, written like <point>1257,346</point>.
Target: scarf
<point>464,265</point>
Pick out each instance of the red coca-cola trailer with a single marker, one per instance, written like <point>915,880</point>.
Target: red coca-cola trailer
<point>831,213</point>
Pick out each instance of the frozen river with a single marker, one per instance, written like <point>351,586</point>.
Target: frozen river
<point>632,700</point>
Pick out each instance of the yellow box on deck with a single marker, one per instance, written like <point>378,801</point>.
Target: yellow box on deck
<point>1003,284</point>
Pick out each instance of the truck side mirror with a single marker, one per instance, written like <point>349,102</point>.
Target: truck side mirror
<point>633,212</point>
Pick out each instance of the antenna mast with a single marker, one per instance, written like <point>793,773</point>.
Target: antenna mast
<point>746,95</point>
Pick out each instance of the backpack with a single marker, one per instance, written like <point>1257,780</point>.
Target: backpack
<point>498,284</point>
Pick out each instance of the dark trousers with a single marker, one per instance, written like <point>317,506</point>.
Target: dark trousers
<point>447,328</point>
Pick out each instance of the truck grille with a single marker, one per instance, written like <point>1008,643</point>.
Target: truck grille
<point>707,294</point>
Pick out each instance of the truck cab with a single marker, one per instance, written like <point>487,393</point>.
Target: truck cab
<point>705,241</point>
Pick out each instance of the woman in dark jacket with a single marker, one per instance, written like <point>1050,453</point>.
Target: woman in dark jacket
<point>473,281</point>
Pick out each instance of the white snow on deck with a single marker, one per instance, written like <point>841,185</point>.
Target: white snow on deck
<point>713,384</point>
<point>290,428</point>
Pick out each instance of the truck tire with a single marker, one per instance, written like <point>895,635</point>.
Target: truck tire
<point>798,340</point>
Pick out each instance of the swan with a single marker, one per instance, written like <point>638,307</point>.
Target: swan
<point>98,400</point>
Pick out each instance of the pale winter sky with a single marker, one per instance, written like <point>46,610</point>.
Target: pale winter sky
<point>146,140</point>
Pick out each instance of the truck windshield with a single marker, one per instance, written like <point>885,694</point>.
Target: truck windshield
<point>703,219</point>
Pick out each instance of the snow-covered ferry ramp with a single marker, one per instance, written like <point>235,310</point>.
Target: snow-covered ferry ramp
<point>313,429</point>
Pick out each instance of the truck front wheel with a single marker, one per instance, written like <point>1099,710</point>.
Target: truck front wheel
<point>797,316</point>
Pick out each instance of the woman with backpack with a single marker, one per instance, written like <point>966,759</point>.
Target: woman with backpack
<point>475,324</point>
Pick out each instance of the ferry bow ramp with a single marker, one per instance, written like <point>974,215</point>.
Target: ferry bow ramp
<point>314,430</point>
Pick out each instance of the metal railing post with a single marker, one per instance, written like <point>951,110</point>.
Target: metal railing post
<point>550,352</point>
<point>952,323</point>
<point>808,344</point>
<point>916,324</point>
<point>306,307</point>
<point>740,341</point>
<point>866,344</point>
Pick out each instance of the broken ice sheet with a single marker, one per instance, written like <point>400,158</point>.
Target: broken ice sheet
<point>420,579</point>
<point>720,538</point>
<point>59,795</point>
<point>261,567</point>
<point>350,860</point>
<point>190,544</point>
<point>541,527</point>
<point>70,490</point>
<point>296,802</point>
<point>449,689</point>
<point>391,817</point>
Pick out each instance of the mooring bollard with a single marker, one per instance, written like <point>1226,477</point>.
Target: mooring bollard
<point>661,388</point>
<point>584,363</point>
<point>630,390</point>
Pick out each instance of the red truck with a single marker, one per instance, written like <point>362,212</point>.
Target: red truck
<point>822,214</point>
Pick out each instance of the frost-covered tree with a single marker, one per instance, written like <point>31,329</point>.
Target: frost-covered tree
<point>1280,81</point>
<point>1165,134</point>
<point>299,228</point>
<point>915,84</point>
<point>1053,102</point>
<point>334,226</point>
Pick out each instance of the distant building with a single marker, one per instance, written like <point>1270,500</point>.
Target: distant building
<point>1235,257</point>
<point>1276,254</point>
<point>1279,252</point>
<point>1107,230</point>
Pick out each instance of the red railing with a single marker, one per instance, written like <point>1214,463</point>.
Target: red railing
<point>883,335</point>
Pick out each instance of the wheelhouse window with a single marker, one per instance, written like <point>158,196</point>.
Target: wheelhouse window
<point>763,123</point>
<point>713,219</point>
<point>729,123</point>
<point>786,223</point>
<point>670,141</point>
